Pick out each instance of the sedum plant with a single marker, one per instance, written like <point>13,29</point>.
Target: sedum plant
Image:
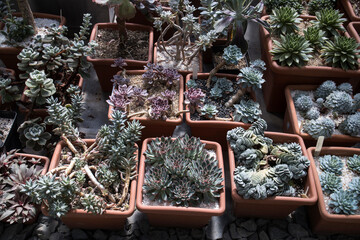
<point>264,169</point>
<point>284,20</point>
<point>293,50</point>
<point>342,53</point>
<point>33,134</point>
<point>186,174</point>
<point>329,20</point>
<point>16,207</point>
<point>93,177</point>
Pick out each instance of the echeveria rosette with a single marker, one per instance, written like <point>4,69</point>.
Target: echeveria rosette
<point>159,108</point>
<point>232,54</point>
<point>353,163</point>
<point>343,202</point>
<point>247,111</point>
<point>330,182</point>
<point>354,186</point>
<point>331,163</point>
<point>40,87</point>
<point>209,111</point>
<point>250,78</point>
<point>33,134</point>
<point>319,127</point>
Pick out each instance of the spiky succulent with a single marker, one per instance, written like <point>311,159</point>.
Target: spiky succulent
<point>317,5</point>
<point>330,182</point>
<point>330,21</point>
<point>293,50</point>
<point>247,111</point>
<point>325,89</point>
<point>354,163</point>
<point>181,172</point>
<point>319,127</point>
<point>303,103</point>
<point>351,125</point>
<point>250,77</point>
<point>339,101</point>
<point>315,36</point>
<point>232,54</point>
<point>331,163</point>
<point>209,111</point>
<point>284,20</point>
<point>274,4</point>
<point>341,53</point>
<point>40,87</point>
<point>33,134</point>
<point>343,202</point>
<point>264,169</point>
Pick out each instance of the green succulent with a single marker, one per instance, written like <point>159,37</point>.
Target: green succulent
<point>33,134</point>
<point>247,111</point>
<point>343,202</point>
<point>354,163</point>
<point>284,20</point>
<point>8,93</point>
<point>250,77</point>
<point>331,163</point>
<point>341,53</point>
<point>293,50</point>
<point>330,21</point>
<point>274,4</point>
<point>40,87</point>
<point>232,54</point>
<point>330,182</point>
<point>315,36</point>
<point>209,111</point>
<point>317,5</point>
<point>319,127</point>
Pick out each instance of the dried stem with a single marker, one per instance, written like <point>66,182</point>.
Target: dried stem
<point>214,71</point>
<point>235,98</point>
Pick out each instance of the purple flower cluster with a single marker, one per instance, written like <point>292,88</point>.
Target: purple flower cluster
<point>155,73</point>
<point>159,107</point>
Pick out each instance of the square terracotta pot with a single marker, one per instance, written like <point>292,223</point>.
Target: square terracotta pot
<point>346,5</point>
<point>172,216</point>
<point>354,30</point>
<point>79,218</point>
<point>272,207</point>
<point>154,128</point>
<point>291,122</point>
<point>278,77</point>
<point>321,220</point>
<point>103,67</point>
<point>219,128</point>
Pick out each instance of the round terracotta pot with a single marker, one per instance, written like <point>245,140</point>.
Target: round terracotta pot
<point>172,216</point>
<point>321,220</point>
<point>79,218</point>
<point>291,122</point>
<point>9,54</point>
<point>354,30</point>
<point>219,128</point>
<point>278,77</point>
<point>154,128</point>
<point>349,10</point>
<point>272,207</point>
<point>45,161</point>
<point>182,72</point>
<point>103,67</point>
<point>41,112</point>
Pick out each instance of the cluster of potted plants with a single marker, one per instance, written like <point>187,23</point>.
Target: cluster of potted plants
<point>92,183</point>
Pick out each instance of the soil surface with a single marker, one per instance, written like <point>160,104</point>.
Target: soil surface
<point>217,57</point>
<point>224,112</point>
<point>5,126</point>
<point>356,6</point>
<point>136,46</point>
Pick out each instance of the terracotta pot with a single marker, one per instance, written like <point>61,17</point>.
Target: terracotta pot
<point>45,161</point>
<point>321,220</point>
<point>272,207</point>
<point>354,30</point>
<point>291,122</point>
<point>278,77</point>
<point>172,216</point>
<point>349,10</point>
<point>79,218</point>
<point>219,129</point>
<point>182,72</point>
<point>40,112</point>
<point>9,54</point>
<point>154,128</point>
<point>103,67</point>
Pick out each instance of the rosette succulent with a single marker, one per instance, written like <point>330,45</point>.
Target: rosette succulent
<point>330,21</point>
<point>40,87</point>
<point>232,54</point>
<point>247,111</point>
<point>330,182</point>
<point>250,77</point>
<point>343,202</point>
<point>325,89</point>
<point>209,111</point>
<point>319,127</point>
<point>284,20</point>
<point>351,125</point>
<point>331,163</point>
<point>339,101</point>
<point>354,163</point>
<point>33,134</point>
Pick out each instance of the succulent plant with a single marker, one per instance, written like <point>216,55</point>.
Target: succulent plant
<point>284,20</point>
<point>194,97</point>
<point>325,89</point>
<point>339,101</point>
<point>120,80</point>
<point>181,172</point>
<point>232,54</point>
<point>330,21</point>
<point>354,163</point>
<point>224,84</point>
<point>191,83</point>
<point>159,108</point>
<point>274,4</point>
<point>140,94</point>
<point>258,64</point>
<point>303,103</point>
<point>341,53</point>
<point>354,185</point>
<point>120,63</point>
<point>312,114</point>
<point>247,111</point>
<point>216,92</point>
<point>293,50</point>
<point>156,73</point>
<point>209,111</point>
<point>343,202</point>
<point>250,77</point>
<point>356,101</point>
<point>351,125</point>
<point>40,87</point>
<point>33,134</point>
<point>331,163</point>
<point>317,5</point>
<point>319,127</point>
<point>264,169</point>
<point>315,36</point>
<point>8,93</point>
<point>330,182</point>
<point>168,94</point>
<point>346,87</point>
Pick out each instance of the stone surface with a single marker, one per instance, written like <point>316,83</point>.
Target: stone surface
<point>43,231</point>
<point>100,235</point>
<point>11,231</point>
<point>254,237</point>
<point>263,236</point>
<point>56,236</point>
<point>197,233</point>
<point>277,233</point>
<point>78,234</point>
<point>154,235</point>
<point>244,233</point>
<point>249,225</point>
<point>234,232</point>
<point>297,231</point>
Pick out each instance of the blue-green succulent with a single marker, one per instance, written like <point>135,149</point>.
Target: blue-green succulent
<point>354,163</point>
<point>331,163</point>
<point>340,102</point>
<point>354,186</point>
<point>343,202</point>
<point>346,87</point>
<point>247,111</point>
<point>325,89</point>
<point>232,54</point>
<point>209,111</point>
<point>250,78</point>
<point>330,182</point>
<point>313,113</point>
<point>351,125</point>
<point>303,103</point>
<point>319,127</point>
